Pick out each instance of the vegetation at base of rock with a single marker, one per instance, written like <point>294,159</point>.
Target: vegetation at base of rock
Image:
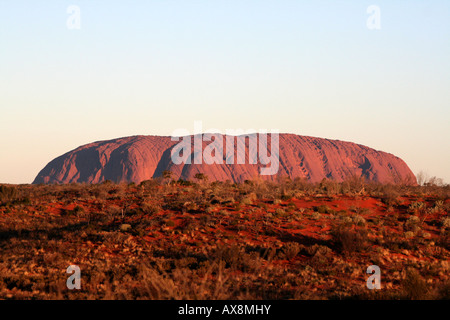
<point>220,240</point>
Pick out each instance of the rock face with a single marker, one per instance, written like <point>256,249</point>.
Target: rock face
<point>139,158</point>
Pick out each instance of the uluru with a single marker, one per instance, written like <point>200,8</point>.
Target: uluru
<point>139,158</point>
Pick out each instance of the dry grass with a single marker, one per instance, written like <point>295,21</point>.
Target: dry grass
<point>256,240</point>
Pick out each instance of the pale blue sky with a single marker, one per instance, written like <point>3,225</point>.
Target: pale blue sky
<point>150,67</point>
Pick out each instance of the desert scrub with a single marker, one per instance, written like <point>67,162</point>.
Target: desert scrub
<point>426,235</point>
<point>250,262</point>
<point>11,196</point>
<point>445,222</point>
<point>236,258</point>
<point>190,206</point>
<point>298,195</point>
<point>390,196</point>
<point>292,206</point>
<point>248,199</point>
<point>77,211</point>
<point>323,209</point>
<point>207,221</point>
<point>417,207</point>
<point>412,224</point>
<point>150,208</point>
<point>169,223</point>
<point>444,239</point>
<point>279,213</point>
<point>225,213</point>
<point>341,213</point>
<point>112,212</point>
<point>364,211</point>
<point>316,248</point>
<point>330,187</point>
<point>209,209</point>
<point>7,194</point>
<point>320,255</point>
<point>100,192</point>
<point>409,234</point>
<point>185,266</point>
<point>291,249</point>
<point>439,205</point>
<point>348,240</point>
<point>414,286</point>
<point>125,227</point>
<point>316,216</point>
<point>346,220</point>
<point>262,206</point>
<point>302,210</point>
<point>359,221</point>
